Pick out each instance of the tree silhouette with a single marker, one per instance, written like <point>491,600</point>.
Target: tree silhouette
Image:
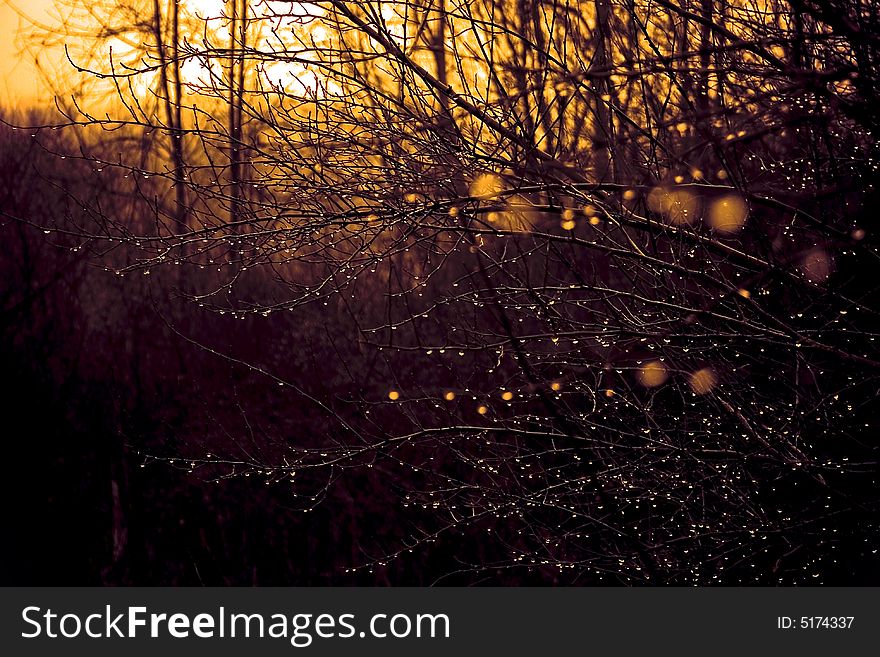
<point>584,290</point>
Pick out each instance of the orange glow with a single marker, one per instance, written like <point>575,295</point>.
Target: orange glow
<point>20,69</point>
<point>727,214</point>
<point>703,381</point>
<point>652,374</point>
<point>486,187</point>
<point>679,206</point>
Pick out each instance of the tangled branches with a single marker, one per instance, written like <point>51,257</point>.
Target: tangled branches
<point>589,283</point>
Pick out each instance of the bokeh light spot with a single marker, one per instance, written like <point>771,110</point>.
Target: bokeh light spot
<point>486,187</point>
<point>703,380</point>
<point>653,374</point>
<point>817,265</point>
<point>728,213</point>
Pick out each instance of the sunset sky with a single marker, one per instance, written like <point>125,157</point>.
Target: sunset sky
<point>20,81</point>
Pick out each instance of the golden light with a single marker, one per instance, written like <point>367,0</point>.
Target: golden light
<point>205,9</point>
<point>482,410</point>
<point>703,380</point>
<point>393,395</point>
<point>555,386</point>
<point>518,218</point>
<point>745,294</point>
<point>449,396</point>
<point>506,395</point>
<point>291,76</point>
<point>653,374</point>
<point>728,213</point>
<point>486,187</point>
<point>22,71</point>
<point>657,199</point>
<point>679,206</point>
